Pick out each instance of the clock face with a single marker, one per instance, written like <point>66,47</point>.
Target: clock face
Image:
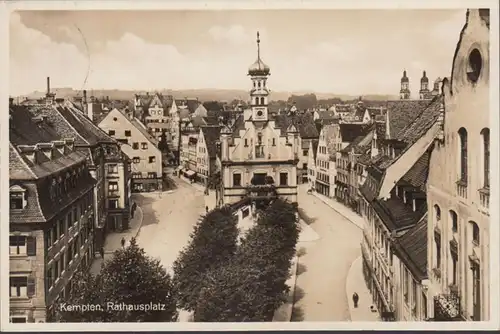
<point>259,113</point>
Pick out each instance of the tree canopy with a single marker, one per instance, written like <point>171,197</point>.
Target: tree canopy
<point>213,242</point>
<point>251,285</point>
<point>131,287</point>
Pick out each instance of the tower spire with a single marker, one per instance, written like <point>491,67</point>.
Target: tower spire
<point>258,45</point>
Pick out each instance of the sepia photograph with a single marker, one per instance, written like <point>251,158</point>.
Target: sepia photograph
<point>258,165</point>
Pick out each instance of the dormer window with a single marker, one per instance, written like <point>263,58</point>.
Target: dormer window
<point>17,198</point>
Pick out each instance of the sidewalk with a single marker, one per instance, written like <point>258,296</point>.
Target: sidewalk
<point>356,283</point>
<point>195,185</point>
<point>342,210</point>
<point>113,240</point>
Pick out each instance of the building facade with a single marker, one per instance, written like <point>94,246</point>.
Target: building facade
<point>311,164</point>
<point>118,188</point>
<point>325,159</point>
<point>459,184</point>
<point>258,160</point>
<point>208,140</point>
<point>139,146</point>
<point>52,208</point>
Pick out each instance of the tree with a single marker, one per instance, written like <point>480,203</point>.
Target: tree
<point>303,102</point>
<point>85,290</point>
<point>213,242</point>
<point>252,284</point>
<point>131,287</point>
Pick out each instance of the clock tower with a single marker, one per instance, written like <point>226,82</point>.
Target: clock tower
<point>259,94</point>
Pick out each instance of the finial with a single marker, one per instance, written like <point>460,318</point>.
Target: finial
<point>258,45</point>
<point>424,74</point>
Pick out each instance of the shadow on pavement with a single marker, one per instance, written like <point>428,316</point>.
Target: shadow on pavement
<point>299,294</point>
<point>301,268</point>
<point>297,314</point>
<point>146,204</point>
<point>301,252</point>
<point>308,220</point>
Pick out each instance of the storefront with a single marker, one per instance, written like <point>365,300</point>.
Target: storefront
<point>322,188</point>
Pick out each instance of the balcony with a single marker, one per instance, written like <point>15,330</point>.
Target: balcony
<point>484,198</point>
<point>462,189</point>
<point>447,305</point>
<point>267,191</point>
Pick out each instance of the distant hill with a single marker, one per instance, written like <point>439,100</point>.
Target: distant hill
<point>201,94</point>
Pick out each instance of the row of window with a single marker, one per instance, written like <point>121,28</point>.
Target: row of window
<point>322,149</point>
<point>137,160</point>
<point>127,133</point>
<point>322,164</point>
<point>61,227</point>
<point>453,219</point>
<point>323,177</point>
<point>57,268</point>
<point>485,153</point>
<point>139,175</point>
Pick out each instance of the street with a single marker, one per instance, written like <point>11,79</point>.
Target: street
<point>321,275</point>
<point>324,262</point>
<point>168,221</point>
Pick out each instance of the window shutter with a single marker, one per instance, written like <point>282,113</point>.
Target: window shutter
<point>31,246</point>
<point>31,286</point>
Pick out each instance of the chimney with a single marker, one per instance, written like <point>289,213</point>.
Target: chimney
<point>11,101</point>
<point>48,85</point>
<point>84,96</point>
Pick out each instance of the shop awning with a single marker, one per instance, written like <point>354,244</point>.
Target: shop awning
<point>190,173</point>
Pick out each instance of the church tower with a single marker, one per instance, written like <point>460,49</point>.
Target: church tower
<point>404,93</point>
<point>259,94</point>
<point>424,87</point>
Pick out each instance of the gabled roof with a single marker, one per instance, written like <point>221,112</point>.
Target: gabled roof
<point>211,135</point>
<point>303,122</point>
<point>422,123</point>
<point>411,248</point>
<point>349,132</point>
<point>417,175</point>
<point>361,144</point>
<point>212,106</point>
<point>401,113</point>
<point>144,131</point>
<point>397,215</point>
<point>191,104</point>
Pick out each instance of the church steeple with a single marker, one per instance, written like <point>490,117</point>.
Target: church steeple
<point>424,86</point>
<point>404,93</point>
<point>259,93</point>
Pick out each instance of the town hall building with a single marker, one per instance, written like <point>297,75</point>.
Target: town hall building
<point>258,159</point>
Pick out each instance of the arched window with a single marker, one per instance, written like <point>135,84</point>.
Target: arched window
<point>256,100</point>
<point>485,134</point>
<point>454,221</point>
<point>462,133</point>
<point>262,101</point>
<point>259,84</point>
<point>475,233</point>
<point>437,212</point>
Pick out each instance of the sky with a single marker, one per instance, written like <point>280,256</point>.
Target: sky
<point>326,51</point>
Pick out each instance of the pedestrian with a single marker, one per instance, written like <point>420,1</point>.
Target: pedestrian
<point>206,208</point>
<point>102,252</point>
<point>123,242</point>
<point>355,299</point>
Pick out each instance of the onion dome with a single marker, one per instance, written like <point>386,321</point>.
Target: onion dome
<point>424,78</point>
<point>258,68</point>
<point>404,78</point>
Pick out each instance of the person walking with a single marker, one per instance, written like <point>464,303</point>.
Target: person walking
<point>206,208</point>
<point>355,299</point>
<point>123,242</point>
<point>101,251</point>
